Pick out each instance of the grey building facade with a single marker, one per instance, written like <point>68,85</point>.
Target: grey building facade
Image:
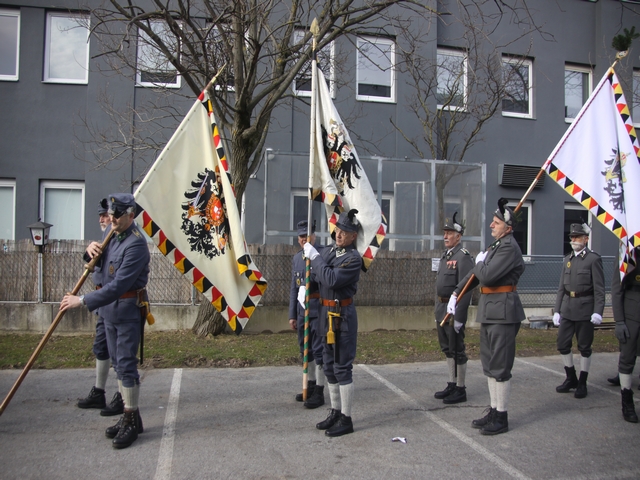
<point>50,169</point>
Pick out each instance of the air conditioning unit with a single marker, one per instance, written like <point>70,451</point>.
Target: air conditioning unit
<point>520,176</point>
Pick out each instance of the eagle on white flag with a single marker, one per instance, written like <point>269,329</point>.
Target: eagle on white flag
<point>339,179</point>
<point>597,162</point>
<point>189,210</point>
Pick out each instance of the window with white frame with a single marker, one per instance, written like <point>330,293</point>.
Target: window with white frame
<point>577,88</point>
<point>62,205</point>
<point>66,57</point>
<point>302,83</point>
<point>8,210</point>
<point>375,73</point>
<point>574,213</point>
<point>154,68</point>
<point>518,92</point>
<point>635,99</point>
<point>522,229</point>
<point>451,91</point>
<point>9,44</point>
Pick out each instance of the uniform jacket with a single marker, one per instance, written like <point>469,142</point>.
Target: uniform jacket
<point>581,273</point>
<point>625,295</point>
<point>503,265</point>
<point>298,272</point>
<point>454,266</point>
<point>337,271</point>
<point>124,267</point>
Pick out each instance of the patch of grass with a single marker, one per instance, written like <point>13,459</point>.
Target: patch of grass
<point>183,349</point>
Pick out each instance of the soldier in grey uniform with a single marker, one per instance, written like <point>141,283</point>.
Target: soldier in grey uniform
<point>500,313</point>
<point>579,307</point>
<point>315,383</point>
<point>455,263</point>
<point>625,299</point>
<point>125,271</point>
<point>96,397</point>
<point>337,271</point>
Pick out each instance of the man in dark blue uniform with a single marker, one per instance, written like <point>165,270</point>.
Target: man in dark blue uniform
<point>125,271</point>
<point>625,300</point>
<point>297,292</point>
<point>579,307</point>
<point>500,313</point>
<point>455,263</point>
<point>337,271</point>
<point>96,397</point>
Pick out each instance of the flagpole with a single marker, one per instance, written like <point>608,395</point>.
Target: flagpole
<point>307,280</point>
<point>543,169</point>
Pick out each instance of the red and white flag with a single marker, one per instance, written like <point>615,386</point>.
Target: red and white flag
<point>190,212</point>
<point>339,179</point>
<point>597,162</point>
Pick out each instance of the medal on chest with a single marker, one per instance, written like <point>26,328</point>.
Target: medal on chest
<point>111,270</point>
<point>451,264</point>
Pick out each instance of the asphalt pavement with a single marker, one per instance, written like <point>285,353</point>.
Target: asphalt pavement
<point>243,423</point>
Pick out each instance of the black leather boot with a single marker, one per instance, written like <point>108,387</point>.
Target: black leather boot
<point>499,424</point>
<point>116,407</point>
<point>311,384</point>
<point>487,419</point>
<point>343,426</point>
<point>317,399</point>
<point>451,386</point>
<point>95,399</point>
<point>581,390</point>
<point>628,408</point>
<point>570,383</point>
<point>128,433</point>
<point>614,380</point>
<point>459,395</point>
<point>334,416</point>
<point>111,432</point>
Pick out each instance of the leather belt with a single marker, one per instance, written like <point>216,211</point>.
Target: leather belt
<point>500,289</point>
<point>444,299</point>
<point>332,303</point>
<point>588,293</point>
<point>315,295</point>
<point>129,294</point>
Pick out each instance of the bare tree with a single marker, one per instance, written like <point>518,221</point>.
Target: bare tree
<point>456,93</point>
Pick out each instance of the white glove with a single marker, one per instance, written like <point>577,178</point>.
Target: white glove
<point>481,256</point>
<point>556,319</point>
<point>596,319</point>
<point>457,326</point>
<point>309,251</point>
<point>451,306</point>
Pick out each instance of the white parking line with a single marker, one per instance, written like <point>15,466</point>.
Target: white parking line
<point>165,457</point>
<point>509,469</point>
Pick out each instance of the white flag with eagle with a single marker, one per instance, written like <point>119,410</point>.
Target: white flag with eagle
<point>339,179</point>
<point>597,162</point>
<point>189,210</point>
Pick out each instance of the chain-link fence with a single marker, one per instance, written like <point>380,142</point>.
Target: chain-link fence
<point>394,279</point>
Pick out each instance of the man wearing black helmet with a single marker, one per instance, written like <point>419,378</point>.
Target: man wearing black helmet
<point>337,271</point>
<point>500,313</point>
<point>455,263</point>
<point>579,307</point>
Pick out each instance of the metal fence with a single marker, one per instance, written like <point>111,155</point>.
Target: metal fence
<point>394,279</point>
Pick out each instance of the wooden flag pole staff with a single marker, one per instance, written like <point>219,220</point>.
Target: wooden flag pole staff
<point>518,207</point>
<point>88,269</point>
<point>307,278</point>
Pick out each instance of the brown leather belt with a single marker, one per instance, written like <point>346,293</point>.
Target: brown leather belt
<point>315,295</point>
<point>588,293</point>
<point>500,289</point>
<point>332,303</point>
<point>129,294</point>
<point>444,299</point>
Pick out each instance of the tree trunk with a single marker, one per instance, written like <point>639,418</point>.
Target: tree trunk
<point>208,321</point>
